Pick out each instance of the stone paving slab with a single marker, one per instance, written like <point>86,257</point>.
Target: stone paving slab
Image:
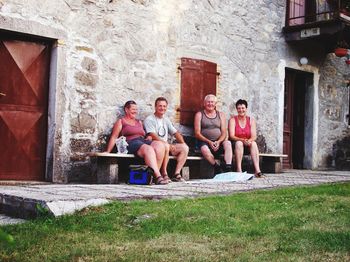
<point>59,199</point>
<point>6,220</point>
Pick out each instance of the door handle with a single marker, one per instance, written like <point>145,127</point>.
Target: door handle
<point>2,94</point>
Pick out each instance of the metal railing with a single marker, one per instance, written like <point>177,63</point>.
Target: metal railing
<point>301,12</point>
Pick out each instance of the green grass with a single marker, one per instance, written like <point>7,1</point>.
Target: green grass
<point>293,224</point>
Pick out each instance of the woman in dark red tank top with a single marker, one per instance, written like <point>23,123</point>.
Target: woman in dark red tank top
<point>242,130</point>
<point>132,129</point>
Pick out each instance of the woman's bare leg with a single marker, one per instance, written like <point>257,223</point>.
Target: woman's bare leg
<point>148,154</point>
<point>254,152</point>
<point>239,149</point>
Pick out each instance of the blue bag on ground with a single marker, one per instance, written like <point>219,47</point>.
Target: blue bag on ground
<point>140,175</point>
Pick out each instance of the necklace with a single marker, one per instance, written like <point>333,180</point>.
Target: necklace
<point>160,127</point>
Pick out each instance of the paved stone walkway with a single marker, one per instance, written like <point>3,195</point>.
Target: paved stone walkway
<point>22,200</point>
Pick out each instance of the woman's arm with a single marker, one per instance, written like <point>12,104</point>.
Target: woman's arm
<point>252,129</point>
<point>115,134</point>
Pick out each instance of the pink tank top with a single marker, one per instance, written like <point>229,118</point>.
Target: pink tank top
<point>130,131</point>
<point>244,132</point>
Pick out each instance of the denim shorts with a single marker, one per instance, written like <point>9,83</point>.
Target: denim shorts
<point>136,143</point>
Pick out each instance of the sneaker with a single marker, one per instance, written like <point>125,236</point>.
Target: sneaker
<point>228,168</point>
<point>217,169</point>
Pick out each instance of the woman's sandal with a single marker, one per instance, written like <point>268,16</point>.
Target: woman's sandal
<point>160,181</point>
<point>178,178</point>
<point>259,175</point>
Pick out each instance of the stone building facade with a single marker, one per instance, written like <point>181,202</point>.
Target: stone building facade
<point>106,52</point>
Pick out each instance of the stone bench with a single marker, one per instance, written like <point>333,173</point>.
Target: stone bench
<point>106,166</point>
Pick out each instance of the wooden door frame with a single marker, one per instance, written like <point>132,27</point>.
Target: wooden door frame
<point>310,121</point>
<point>20,29</point>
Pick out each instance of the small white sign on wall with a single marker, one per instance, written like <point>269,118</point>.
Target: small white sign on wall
<point>310,32</point>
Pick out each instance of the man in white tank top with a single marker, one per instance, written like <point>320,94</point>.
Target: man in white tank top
<point>210,130</point>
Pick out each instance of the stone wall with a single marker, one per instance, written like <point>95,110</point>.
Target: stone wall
<point>116,50</point>
<point>333,109</point>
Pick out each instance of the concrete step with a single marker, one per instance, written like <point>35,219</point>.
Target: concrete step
<point>21,207</point>
<point>6,220</point>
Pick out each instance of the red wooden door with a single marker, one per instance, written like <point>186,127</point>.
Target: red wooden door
<point>288,118</point>
<point>198,79</point>
<point>24,74</point>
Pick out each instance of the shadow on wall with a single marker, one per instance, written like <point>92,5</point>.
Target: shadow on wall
<point>260,140</point>
<point>341,154</point>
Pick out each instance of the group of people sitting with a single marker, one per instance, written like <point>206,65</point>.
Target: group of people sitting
<point>150,139</point>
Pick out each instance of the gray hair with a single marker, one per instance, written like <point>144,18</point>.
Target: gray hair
<point>210,96</point>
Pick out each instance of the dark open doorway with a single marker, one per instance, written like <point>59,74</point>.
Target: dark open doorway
<point>297,118</point>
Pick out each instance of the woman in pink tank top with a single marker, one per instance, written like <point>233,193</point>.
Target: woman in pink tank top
<point>242,131</point>
<point>132,128</point>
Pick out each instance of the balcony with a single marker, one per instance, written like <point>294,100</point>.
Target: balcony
<point>324,22</point>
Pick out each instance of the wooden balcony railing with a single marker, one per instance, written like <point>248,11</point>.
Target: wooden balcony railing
<point>301,12</point>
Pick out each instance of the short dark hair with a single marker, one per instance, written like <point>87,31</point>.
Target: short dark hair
<point>161,98</point>
<point>129,103</point>
<point>242,102</point>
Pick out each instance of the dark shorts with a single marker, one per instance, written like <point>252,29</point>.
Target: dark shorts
<point>217,153</point>
<point>246,150</point>
<point>136,143</point>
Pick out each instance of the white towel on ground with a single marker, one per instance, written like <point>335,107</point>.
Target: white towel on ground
<point>225,177</point>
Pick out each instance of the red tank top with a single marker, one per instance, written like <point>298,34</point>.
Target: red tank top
<point>131,132</point>
<point>244,132</point>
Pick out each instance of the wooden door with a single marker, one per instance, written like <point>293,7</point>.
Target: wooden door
<point>288,118</point>
<point>198,79</point>
<point>24,75</point>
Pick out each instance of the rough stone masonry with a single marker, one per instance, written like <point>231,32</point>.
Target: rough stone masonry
<point>110,51</point>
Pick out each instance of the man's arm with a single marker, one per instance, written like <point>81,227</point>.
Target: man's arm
<point>179,138</point>
<point>154,136</point>
<point>223,135</point>
<point>197,128</point>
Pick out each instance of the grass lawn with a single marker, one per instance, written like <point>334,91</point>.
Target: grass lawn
<point>291,224</point>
